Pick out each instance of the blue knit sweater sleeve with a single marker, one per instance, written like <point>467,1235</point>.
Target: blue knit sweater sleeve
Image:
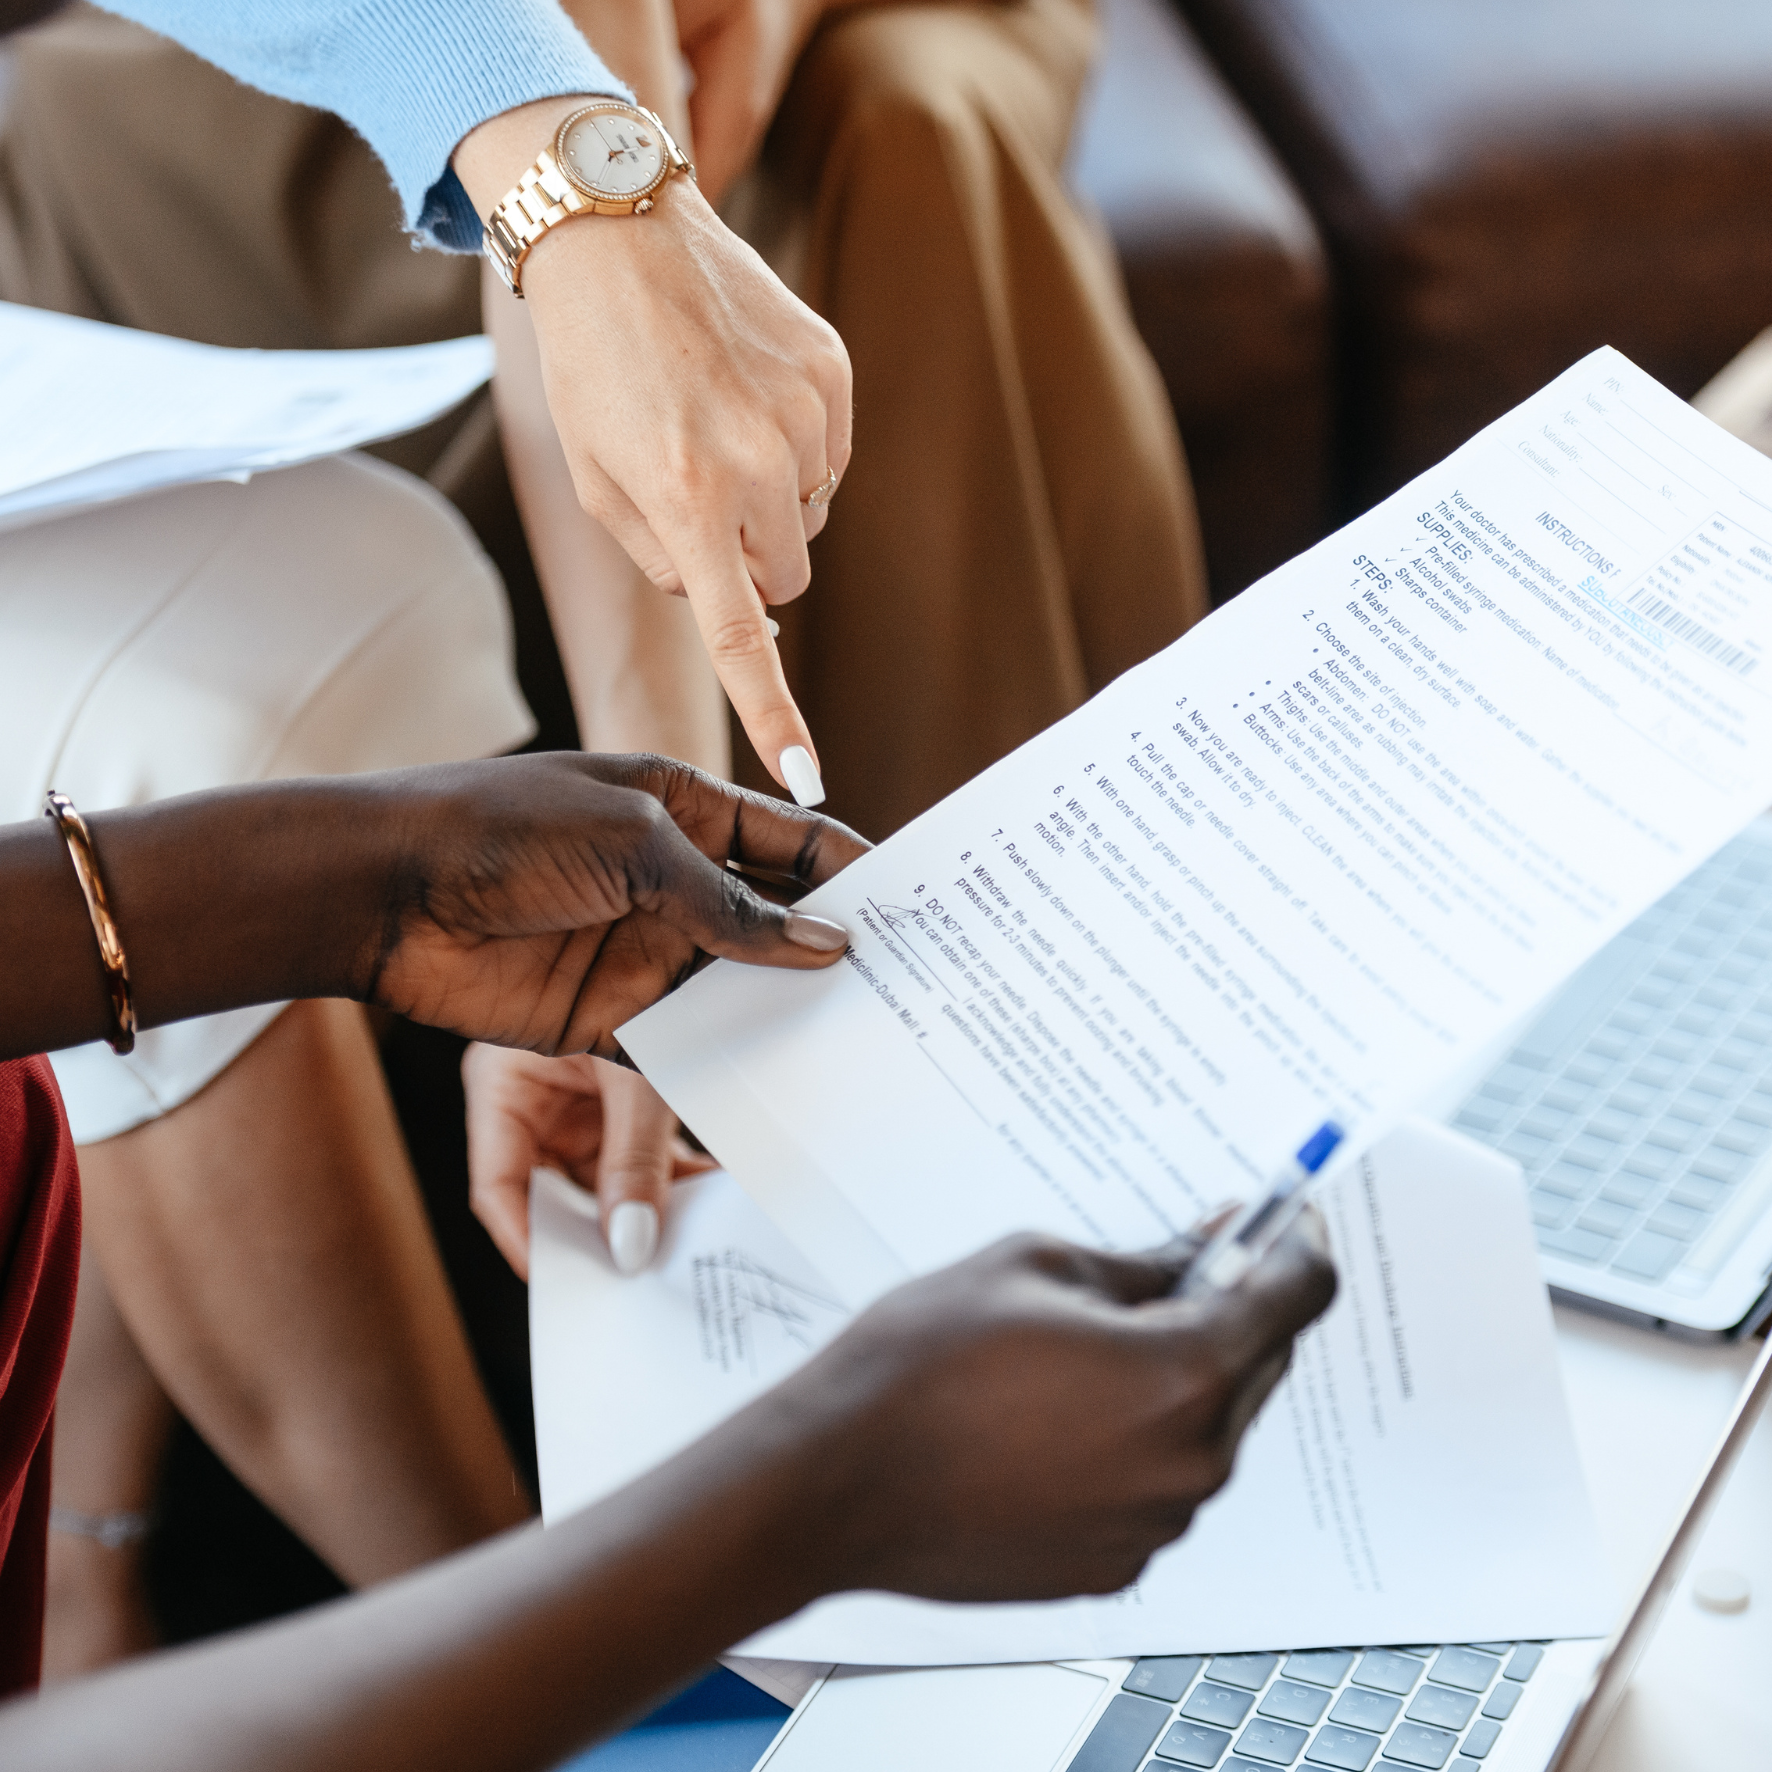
<point>411,76</point>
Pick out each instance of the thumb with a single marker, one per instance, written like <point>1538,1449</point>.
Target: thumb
<point>501,1152</point>
<point>1147,1274</point>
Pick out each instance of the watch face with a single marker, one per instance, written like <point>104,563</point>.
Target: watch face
<point>613,154</point>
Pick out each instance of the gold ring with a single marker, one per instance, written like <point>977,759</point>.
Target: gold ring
<point>821,495</point>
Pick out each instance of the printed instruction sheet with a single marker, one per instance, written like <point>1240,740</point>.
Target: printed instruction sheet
<point>1298,866</point>
<point>1414,1479</point>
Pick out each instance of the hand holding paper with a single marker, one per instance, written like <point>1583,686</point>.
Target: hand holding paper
<point>1031,1423</point>
<point>1039,1420</point>
<point>595,1123</point>
<point>544,923</point>
<point>1414,1478</point>
<point>1296,868</point>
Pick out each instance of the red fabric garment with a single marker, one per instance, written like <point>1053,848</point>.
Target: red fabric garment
<point>39,1265</point>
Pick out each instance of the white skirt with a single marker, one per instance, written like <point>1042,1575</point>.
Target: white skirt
<point>323,620</point>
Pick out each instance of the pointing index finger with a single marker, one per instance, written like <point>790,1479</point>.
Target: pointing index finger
<point>735,629</point>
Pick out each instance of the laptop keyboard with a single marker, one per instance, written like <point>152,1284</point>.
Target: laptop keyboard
<point>1641,1100</point>
<point>1350,1710</point>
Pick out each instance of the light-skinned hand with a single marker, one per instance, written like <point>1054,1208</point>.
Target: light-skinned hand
<point>697,400</point>
<point>599,1125</point>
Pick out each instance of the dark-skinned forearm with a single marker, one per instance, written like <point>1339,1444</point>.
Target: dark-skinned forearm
<point>221,899</point>
<point>16,14</point>
<point>508,1656</point>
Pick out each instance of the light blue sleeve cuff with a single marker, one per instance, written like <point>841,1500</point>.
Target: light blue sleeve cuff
<point>411,76</point>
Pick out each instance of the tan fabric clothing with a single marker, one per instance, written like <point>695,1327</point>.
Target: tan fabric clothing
<point>1015,528</point>
<point>142,186</point>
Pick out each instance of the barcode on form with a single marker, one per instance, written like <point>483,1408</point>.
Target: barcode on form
<point>1695,633</point>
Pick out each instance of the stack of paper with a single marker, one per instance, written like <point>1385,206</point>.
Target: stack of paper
<point>1300,866</point>
<point>99,412</point>
<point>1414,1480</point>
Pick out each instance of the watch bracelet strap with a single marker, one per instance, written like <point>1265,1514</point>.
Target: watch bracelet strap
<point>544,197</point>
<point>541,198</point>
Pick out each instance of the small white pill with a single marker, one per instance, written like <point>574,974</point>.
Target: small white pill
<point>1721,1590</point>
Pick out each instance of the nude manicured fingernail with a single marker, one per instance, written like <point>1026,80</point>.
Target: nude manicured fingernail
<point>774,628</point>
<point>633,1235</point>
<point>1315,1231</point>
<point>816,933</point>
<point>801,774</point>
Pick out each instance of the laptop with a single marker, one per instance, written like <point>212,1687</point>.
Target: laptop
<point>1639,1105</point>
<point>1446,1707</point>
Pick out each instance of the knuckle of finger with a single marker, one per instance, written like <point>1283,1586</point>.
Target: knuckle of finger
<point>1212,1467</point>
<point>690,468</point>
<point>654,774</point>
<point>833,353</point>
<point>737,639</point>
<point>794,579</point>
<point>741,905</point>
<point>1033,1249</point>
<point>641,825</point>
<point>644,812</point>
<point>806,418</point>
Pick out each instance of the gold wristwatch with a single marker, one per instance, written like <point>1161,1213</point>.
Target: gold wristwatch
<point>607,159</point>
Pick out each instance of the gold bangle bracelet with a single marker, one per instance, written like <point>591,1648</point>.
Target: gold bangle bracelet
<point>104,926</point>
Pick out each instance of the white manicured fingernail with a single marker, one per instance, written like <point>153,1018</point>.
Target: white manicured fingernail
<point>774,628</point>
<point>633,1235</point>
<point>801,774</point>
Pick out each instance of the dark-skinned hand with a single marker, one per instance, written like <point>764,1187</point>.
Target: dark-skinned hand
<point>546,900</point>
<point>1039,1420</point>
<point>536,901</point>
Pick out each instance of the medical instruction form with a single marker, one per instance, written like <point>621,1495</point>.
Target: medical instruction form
<point>1414,1478</point>
<point>1297,867</point>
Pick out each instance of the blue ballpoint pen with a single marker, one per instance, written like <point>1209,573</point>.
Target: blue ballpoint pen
<point>1255,1229</point>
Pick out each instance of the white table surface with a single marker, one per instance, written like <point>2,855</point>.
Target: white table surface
<point>1647,1411</point>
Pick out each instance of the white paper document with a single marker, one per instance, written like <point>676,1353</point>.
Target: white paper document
<point>1415,1478</point>
<point>1298,866</point>
<point>634,1370</point>
<point>96,412</point>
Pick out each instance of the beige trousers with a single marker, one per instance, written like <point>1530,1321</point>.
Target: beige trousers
<point>1016,527</point>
